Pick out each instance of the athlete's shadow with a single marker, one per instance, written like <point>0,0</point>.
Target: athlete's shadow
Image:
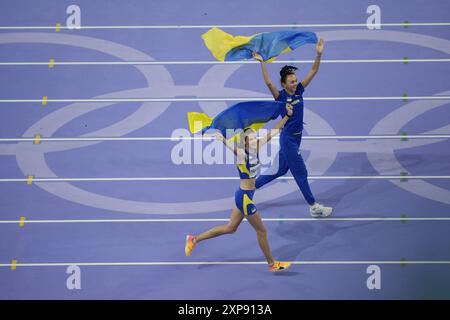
<point>307,235</point>
<point>331,197</point>
<point>304,236</point>
<point>262,267</point>
<point>334,196</point>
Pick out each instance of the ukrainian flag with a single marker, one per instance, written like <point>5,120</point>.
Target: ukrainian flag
<point>226,47</point>
<point>243,115</point>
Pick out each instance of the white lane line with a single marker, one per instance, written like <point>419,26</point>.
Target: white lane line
<point>408,177</point>
<point>314,25</point>
<point>191,263</point>
<point>112,63</point>
<point>205,138</point>
<point>175,220</point>
<point>212,99</point>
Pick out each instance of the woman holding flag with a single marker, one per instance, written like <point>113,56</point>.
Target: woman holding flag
<point>291,135</point>
<point>248,168</point>
<point>265,47</point>
<point>250,116</point>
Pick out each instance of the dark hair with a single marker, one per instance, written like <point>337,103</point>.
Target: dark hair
<point>285,71</point>
<point>249,129</point>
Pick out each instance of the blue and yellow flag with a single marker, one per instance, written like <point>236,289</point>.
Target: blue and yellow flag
<point>270,45</point>
<point>243,115</point>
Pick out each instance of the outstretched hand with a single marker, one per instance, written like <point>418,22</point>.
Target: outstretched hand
<point>319,46</point>
<point>257,56</point>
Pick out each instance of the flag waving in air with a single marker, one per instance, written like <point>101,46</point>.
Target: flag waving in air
<point>269,45</point>
<point>243,115</point>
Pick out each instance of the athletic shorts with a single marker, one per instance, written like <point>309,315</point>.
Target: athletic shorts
<point>244,201</point>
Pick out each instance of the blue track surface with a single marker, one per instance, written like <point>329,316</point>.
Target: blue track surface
<point>358,242</point>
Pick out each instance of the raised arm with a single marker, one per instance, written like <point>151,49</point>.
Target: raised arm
<point>228,144</point>
<point>315,67</point>
<point>276,129</point>
<point>273,89</point>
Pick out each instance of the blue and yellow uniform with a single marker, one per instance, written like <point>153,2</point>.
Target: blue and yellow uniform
<point>290,139</point>
<point>247,170</point>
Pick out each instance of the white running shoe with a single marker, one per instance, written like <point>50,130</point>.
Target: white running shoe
<point>320,211</point>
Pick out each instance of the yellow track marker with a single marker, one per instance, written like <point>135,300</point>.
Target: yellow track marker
<point>404,262</point>
<point>405,175</point>
<point>58,27</point>
<point>404,136</point>
<point>30,180</point>
<point>51,64</point>
<point>44,100</point>
<point>404,218</point>
<point>22,222</point>
<point>37,139</point>
<point>13,264</point>
<point>405,97</point>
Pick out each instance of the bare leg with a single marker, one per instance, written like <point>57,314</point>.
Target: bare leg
<point>256,222</point>
<point>230,227</point>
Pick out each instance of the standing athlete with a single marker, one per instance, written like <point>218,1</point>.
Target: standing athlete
<point>291,135</point>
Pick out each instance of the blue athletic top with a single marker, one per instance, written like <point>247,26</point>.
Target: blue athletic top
<point>295,123</point>
<point>251,168</point>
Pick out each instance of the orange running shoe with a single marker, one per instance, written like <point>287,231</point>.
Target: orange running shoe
<point>189,245</point>
<point>279,266</point>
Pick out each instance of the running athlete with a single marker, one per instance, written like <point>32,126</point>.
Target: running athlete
<point>291,135</point>
<point>248,167</point>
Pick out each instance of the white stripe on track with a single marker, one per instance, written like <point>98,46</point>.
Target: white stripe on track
<point>112,63</point>
<point>176,220</point>
<point>420,136</point>
<point>189,263</point>
<point>409,177</point>
<point>315,25</point>
<point>215,99</point>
